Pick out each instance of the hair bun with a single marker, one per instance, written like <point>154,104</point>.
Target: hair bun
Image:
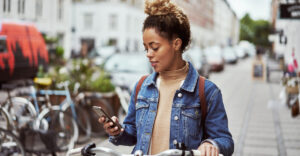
<point>159,7</point>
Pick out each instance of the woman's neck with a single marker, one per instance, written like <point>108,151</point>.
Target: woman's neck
<point>175,74</point>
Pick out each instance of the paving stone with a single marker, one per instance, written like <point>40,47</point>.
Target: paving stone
<point>257,150</point>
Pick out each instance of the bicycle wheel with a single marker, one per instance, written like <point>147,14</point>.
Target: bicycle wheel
<point>64,126</point>
<point>10,145</point>
<point>21,111</point>
<point>83,122</point>
<point>4,119</point>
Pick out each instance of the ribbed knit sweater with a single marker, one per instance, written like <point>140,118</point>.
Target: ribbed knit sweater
<point>168,82</point>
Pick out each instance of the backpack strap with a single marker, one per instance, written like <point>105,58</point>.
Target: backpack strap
<point>138,87</point>
<point>202,101</point>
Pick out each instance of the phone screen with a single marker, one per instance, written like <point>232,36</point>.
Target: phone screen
<point>101,113</point>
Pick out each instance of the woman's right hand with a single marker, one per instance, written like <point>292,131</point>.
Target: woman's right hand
<point>108,126</point>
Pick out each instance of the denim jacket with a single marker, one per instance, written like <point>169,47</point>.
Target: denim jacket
<point>185,124</point>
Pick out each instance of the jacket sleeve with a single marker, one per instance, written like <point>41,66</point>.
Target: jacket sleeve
<point>128,136</point>
<point>216,124</point>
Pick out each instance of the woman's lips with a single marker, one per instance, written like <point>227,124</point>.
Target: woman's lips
<point>153,63</point>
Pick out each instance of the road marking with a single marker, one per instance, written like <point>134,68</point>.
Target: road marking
<point>242,136</point>
<point>278,131</point>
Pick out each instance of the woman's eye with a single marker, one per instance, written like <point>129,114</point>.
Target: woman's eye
<point>154,49</point>
<point>146,50</point>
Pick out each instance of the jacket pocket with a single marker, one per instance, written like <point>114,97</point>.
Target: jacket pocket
<point>141,109</point>
<point>191,117</point>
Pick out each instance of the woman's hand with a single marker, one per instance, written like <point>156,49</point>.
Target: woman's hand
<point>207,149</point>
<point>108,126</point>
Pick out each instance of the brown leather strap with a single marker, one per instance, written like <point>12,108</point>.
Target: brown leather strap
<point>138,87</point>
<point>202,99</point>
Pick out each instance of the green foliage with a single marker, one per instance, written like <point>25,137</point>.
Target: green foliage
<point>50,40</point>
<point>82,71</point>
<point>91,78</point>
<point>255,31</point>
<point>41,73</point>
<point>59,51</point>
<point>102,83</point>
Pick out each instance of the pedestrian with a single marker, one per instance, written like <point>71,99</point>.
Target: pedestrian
<point>167,109</point>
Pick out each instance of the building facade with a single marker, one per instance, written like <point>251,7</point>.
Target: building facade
<point>51,17</point>
<point>119,23</point>
<point>286,36</point>
<point>103,23</point>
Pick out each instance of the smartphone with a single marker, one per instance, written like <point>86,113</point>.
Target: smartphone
<point>101,113</point>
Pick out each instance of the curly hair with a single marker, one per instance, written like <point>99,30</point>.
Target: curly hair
<point>169,20</point>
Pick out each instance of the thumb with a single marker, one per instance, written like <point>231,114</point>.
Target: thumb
<point>115,119</point>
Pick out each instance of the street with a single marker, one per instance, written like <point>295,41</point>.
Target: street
<point>259,123</point>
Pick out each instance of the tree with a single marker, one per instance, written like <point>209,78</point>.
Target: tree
<point>255,31</point>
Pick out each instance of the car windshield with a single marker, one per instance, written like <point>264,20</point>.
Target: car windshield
<point>127,63</point>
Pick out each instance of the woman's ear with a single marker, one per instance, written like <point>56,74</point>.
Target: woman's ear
<point>177,44</point>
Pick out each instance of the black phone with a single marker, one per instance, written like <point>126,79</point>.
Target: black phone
<point>101,113</point>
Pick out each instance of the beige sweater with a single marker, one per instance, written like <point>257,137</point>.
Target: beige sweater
<point>168,82</point>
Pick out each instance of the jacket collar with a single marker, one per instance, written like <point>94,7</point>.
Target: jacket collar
<point>189,84</point>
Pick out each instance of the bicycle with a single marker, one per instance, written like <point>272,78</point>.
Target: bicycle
<point>10,144</point>
<point>73,109</point>
<point>103,151</point>
<point>30,122</point>
<point>15,111</point>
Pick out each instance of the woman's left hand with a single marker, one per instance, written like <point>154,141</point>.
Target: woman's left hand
<point>207,149</point>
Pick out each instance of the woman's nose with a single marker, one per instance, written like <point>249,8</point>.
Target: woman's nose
<point>150,53</point>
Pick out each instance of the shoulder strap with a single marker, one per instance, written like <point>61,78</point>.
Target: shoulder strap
<point>138,87</point>
<point>202,99</point>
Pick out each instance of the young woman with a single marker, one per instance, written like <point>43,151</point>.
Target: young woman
<point>167,109</point>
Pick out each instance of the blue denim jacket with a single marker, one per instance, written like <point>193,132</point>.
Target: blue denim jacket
<point>186,126</point>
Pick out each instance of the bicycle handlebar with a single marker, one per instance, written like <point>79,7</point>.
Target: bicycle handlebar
<point>170,152</point>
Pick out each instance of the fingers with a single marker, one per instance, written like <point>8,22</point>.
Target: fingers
<point>102,119</point>
<point>208,149</point>
<point>109,126</point>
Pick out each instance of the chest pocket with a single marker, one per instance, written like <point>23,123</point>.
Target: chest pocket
<point>191,116</point>
<point>141,108</point>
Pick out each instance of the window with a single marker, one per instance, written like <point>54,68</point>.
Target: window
<point>19,6</point>
<point>23,6</point>
<point>8,8</point>
<point>38,8</point>
<point>60,9</point>
<point>113,22</point>
<point>3,44</point>
<point>88,21</point>
<point>6,5</point>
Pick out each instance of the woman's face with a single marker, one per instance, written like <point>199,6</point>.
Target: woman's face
<point>162,54</point>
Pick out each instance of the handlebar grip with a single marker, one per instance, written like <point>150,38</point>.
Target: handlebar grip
<point>196,152</point>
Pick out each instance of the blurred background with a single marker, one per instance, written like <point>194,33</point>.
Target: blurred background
<point>58,58</point>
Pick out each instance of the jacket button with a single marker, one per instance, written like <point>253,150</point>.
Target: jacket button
<point>176,117</point>
<point>179,95</point>
<point>175,142</point>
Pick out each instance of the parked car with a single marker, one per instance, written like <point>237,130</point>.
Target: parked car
<point>198,59</point>
<point>214,58</point>
<point>22,51</point>
<point>127,68</point>
<point>230,55</point>
<point>240,52</point>
<point>248,47</point>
